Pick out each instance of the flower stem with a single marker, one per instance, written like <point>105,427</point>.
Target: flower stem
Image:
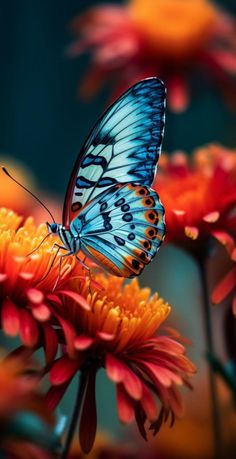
<point>75,415</point>
<point>216,425</point>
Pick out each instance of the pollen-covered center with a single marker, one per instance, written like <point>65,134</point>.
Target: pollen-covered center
<point>175,27</point>
<point>125,313</point>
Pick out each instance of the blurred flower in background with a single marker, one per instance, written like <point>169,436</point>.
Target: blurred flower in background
<point>27,281</point>
<point>11,195</point>
<point>26,425</point>
<point>172,39</point>
<point>199,195</point>
<point>119,334</point>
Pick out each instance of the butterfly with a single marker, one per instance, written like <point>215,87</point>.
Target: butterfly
<point>110,212</point>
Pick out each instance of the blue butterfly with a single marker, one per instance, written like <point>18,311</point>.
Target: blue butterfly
<point>110,212</point>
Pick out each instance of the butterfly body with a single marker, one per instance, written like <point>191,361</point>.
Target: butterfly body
<point>111,213</point>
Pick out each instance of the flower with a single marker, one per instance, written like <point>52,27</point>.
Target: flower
<point>118,334</point>
<point>171,39</point>
<point>26,423</point>
<point>199,197</point>
<point>27,281</point>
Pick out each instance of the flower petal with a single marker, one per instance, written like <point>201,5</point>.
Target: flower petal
<point>124,405</point>
<point>224,287</point>
<point>34,295</point>
<point>83,342</point>
<point>63,370</point>
<point>212,217</point>
<point>114,368</point>
<point>149,404</point>
<point>41,312</point>
<point>55,395</point>
<point>28,329</point>
<point>10,318</point>
<point>192,232</point>
<point>76,297</point>
<point>225,239</point>
<point>50,343</point>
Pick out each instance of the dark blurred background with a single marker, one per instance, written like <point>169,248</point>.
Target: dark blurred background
<point>42,122</point>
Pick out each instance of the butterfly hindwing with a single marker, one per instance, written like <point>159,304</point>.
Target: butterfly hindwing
<point>122,228</point>
<point>123,147</point>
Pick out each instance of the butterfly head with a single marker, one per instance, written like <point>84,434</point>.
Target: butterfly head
<point>53,227</point>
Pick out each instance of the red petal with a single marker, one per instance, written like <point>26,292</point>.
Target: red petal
<point>212,217</point>
<point>114,368</point>
<point>10,318</point>
<point>54,299</point>
<point>88,420</point>
<point>225,239</point>
<point>76,297</point>
<point>83,342</point>
<point>41,313</point>
<point>50,343</point>
<point>69,333</point>
<point>178,93</point>
<point>224,287</point>
<point>35,296</point>
<point>132,384</point>
<point>63,369</point>
<point>3,277</point>
<point>55,395</point>
<point>28,329</point>
<point>124,405</point>
<point>105,336</point>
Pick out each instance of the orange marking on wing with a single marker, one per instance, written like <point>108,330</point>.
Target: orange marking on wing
<point>148,201</point>
<point>152,216</point>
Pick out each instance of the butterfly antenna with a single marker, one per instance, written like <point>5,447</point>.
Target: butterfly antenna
<point>28,191</point>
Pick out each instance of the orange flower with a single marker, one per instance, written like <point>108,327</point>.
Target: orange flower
<point>25,296</point>
<point>171,39</point>
<point>118,333</point>
<point>199,196</point>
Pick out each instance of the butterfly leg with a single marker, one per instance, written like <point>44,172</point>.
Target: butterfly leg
<point>60,265</point>
<point>87,269</point>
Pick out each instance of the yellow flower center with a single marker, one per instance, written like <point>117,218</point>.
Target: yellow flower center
<point>126,313</point>
<point>175,28</point>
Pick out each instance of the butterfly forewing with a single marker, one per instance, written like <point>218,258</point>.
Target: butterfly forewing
<point>123,147</point>
<point>122,228</point>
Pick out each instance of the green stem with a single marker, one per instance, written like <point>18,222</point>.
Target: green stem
<point>75,415</point>
<point>216,424</point>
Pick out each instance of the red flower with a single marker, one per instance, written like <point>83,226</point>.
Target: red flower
<point>171,39</point>
<point>199,196</point>
<point>25,299</point>
<point>118,333</point>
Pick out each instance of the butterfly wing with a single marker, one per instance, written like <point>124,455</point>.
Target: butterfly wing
<point>122,228</point>
<point>123,147</point>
